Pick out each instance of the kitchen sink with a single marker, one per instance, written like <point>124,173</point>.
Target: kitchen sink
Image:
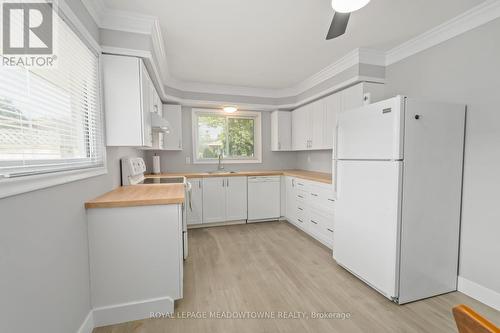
<point>221,172</point>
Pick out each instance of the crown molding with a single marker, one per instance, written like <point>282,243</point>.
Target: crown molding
<point>353,58</point>
<point>473,18</point>
<point>95,9</point>
<point>157,59</point>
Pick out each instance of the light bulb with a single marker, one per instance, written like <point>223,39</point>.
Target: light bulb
<point>348,6</point>
<point>230,109</point>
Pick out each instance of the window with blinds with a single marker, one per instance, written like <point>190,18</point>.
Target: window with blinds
<point>50,118</point>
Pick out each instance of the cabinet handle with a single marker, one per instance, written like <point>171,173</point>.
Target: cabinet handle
<point>227,182</point>
<point>279,145</point>
<point>300,196</point>
<point>300,220</point>
<point>223,183</point>
<point>199,184</point>
<point>314,194</point>
<point>329,229</point>
<point>300,208</point>
<point>293,182</point>
<point>314,222</point>
<point>331,200</point>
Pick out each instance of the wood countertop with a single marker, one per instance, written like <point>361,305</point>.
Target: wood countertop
<point>303,174</point>
<point>166,194</point>
<point>140,195</point>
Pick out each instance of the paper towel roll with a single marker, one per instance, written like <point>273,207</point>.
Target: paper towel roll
<point>156,164</point>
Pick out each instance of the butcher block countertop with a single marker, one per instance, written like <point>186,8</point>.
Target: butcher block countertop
<point>140,195</point>
<point>308,175</point>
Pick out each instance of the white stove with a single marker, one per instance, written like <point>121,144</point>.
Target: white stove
<point>133,169</point>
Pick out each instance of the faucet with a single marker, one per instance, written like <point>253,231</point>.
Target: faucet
<point>220,166</point>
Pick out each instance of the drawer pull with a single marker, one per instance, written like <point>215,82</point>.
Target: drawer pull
<point>300,184</point>
<point>300,196</point>
<point>314,194</point>
<point>331,200</point>
<point>314,222</point>
<point>300,208</point>
<point>300,220</point>
<point>329,229</point>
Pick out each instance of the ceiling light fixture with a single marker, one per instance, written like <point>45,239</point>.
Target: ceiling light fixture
<point>230,109</point>
<point>348,6</point>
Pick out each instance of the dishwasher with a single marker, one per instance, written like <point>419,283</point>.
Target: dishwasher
<point>264,198</point>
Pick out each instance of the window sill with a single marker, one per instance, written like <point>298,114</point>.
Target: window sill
<point>15,186</point>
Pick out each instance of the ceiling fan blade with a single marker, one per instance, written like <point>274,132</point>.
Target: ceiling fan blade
<point>339,25</point>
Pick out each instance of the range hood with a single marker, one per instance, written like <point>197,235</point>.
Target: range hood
<point>159,124</point>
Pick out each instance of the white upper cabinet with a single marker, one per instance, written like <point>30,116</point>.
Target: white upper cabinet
<point>281,130</point>
<point>301,128</point>
<point>173,114</point>
<point>128,101</point>
<point>333,104</point>
<point>313,125</point>
<point>317,128</point>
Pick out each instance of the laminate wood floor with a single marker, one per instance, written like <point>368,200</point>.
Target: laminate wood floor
<point>277,268</point>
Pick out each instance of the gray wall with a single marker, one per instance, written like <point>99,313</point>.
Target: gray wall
<point>466,69</point>
<point>44,269</point>
<point>320,160</point>
<point>44,265</point>
<point>174,161</point>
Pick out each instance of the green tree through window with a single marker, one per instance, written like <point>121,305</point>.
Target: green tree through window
<point>234,136</point>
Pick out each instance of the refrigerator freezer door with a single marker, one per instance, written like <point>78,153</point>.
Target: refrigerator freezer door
<point>372,132</point>
<point>367,221</point>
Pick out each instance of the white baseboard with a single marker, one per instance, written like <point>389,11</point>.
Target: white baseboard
<point>480,293</point>
<point>120,313</point>
<point>88,324</point>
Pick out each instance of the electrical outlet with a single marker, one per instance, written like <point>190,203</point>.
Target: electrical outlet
<point>188,159</point>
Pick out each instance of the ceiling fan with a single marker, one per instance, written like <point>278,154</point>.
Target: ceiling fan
<point>343,9</point>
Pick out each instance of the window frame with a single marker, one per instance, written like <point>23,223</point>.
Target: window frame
<point>29,183</point>
<point>257,116</point>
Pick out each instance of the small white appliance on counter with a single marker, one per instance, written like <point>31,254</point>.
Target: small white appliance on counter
<point>264,198</point>
<point>133,169</point>
<point>398,180</point>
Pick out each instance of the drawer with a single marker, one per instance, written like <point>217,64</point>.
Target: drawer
<point>322,198</point>
<point>322,224</point>
<point>302,196</point>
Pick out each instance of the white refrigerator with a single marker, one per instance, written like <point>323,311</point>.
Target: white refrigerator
<point>398,176</point>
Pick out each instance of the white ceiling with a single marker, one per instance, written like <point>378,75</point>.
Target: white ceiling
<point>278,43</point>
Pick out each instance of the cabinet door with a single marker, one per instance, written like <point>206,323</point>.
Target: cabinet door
<point>236,198</point>
<point>214,199</point>
<point>274,131</point>
<point>317,124</point>
<point>173,114</point>
<point>195,202</point>
<point>301,128</point>
<point>147,132</point>
<point>290,200</point>
<point>281,130</point>
<point>333,104</point>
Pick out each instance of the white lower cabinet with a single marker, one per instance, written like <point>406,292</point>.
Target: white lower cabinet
<point>195,202</point>
<point>309,206</point>
<point>214,200</point>
<point>236,198</point>
<point>224,199</point>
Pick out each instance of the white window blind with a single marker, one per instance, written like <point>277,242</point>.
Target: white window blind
<point>50,118</point>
